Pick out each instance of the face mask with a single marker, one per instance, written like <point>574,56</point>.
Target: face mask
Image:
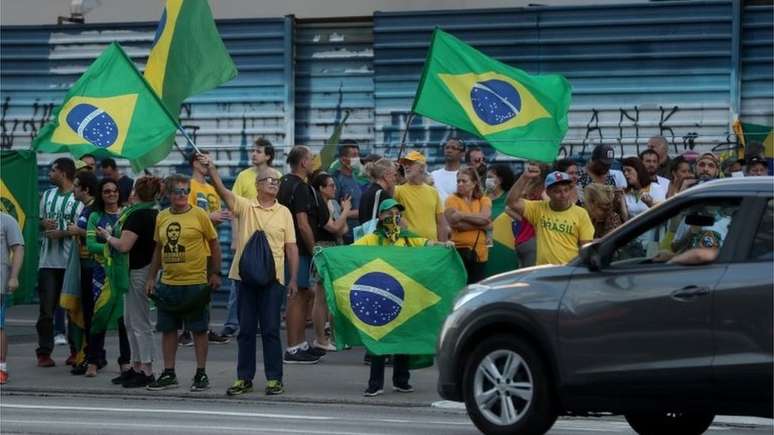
<point>490,184</point>
<point>357,167</point>
<point>392,227</point>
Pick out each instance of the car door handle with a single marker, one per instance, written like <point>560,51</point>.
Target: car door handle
<point>691,291</point>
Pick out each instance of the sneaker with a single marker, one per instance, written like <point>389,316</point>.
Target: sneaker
<point>60,340</point>
<point>214,338</point>
<point>405,388</point>
<point>316,351</point>
<point>3,377</point>
<point>80,369</point>
<point>300,357</point>
<point>200,381</point>
<point>227,332</point>
<point>330,347</point>
<point>240,387</point>
<point>185,339</point>
<point>372,391</point>
<point>45,361</point>
<point>139,380</point>
<point>274,388</point>
<point>123,377</point>
<point>166,381</point>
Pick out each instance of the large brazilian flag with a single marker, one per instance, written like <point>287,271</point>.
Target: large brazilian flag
<point>392,300</point>
<point>19,198</point>
<point>502,253</point>
<point>109,112</point>
<point>518,114</point>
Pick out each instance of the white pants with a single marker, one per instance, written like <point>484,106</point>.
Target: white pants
<point>137,317</point>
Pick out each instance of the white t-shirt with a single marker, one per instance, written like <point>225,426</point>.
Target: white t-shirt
<point>620,179</point>
<point>445,182</point>
<point>659,189</point>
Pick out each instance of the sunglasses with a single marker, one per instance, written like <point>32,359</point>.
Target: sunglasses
<point>181,191</point>
<point>109,191</point>
<point>271,180</point>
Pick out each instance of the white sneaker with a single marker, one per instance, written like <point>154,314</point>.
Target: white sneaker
<point>330,347</point>
<point>60,340</point>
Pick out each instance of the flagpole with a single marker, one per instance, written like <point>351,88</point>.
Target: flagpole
<point>409,120</point>
<point>187,139</point>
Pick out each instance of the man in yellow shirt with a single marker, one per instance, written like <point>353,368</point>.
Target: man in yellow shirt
<point>561,227</point>
<point>262,212</point>
<point>183,235</point>
<point>424,211</point>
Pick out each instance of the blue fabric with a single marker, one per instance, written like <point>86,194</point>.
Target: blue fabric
<point>304,262</point>
<point>4,302</point>
<point>232,318</point>
<point>260,305</point>
<point>178,294</point>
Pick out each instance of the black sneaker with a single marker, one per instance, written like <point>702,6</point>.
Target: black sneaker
<point>139,380</point>
<point>214,338</point>
<point>123,377</point>
<point>300,357</point>
<point>316,351</point>
<point>166,381</point>
<point>227,332</point>
<point>239,387</point>
<point>200,382</point>
<point>80,369</point>
<point>404,388</point>
<point>372,391</point>
<point>185,339</point>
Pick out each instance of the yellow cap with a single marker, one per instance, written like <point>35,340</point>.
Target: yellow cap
<point>414,156</point>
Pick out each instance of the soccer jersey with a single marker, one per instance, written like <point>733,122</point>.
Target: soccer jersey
<point>62,208</point>
<point>183,238</point>
<point>558,232</point>
<point>204,196</point>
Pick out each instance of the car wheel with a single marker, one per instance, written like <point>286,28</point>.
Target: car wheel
<point>669,423</point>
<point>506,388</point>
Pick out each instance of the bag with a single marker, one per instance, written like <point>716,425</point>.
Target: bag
<point>256,267</point>
<point>368,226</point>
<point>469,255</point>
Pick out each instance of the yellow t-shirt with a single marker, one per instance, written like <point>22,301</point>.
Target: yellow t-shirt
<point>244,185</point>
<point>276,221</point>
<point>423,205</point>
<point>374,239</point>
<point>183,238</point>
<point>204,196</point>
<point>558,232</point>
<point>466,239</point>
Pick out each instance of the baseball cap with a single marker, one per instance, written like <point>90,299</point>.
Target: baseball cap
<point>757,160</point>
<point>388,204</point>
<point>603,153</point>
<point>414,156</point>
<point>557,177</point>
<point>710,156</point>
<point>80,164</point>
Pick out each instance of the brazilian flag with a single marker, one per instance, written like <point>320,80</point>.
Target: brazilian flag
<point>518,114</point>
<point>755,139</point>
<point>19,198</point>
<point>502,253</point>
<point>392,300</point>
<point>109,112</point>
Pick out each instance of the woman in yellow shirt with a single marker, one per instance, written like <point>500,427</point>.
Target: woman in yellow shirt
<point>468,213</point>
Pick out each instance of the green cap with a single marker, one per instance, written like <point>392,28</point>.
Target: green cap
<point>388,204</point>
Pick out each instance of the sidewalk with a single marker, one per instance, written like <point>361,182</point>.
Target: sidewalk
<point>339,378</point>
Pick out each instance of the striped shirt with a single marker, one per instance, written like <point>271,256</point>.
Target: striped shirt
<point>64,209</point>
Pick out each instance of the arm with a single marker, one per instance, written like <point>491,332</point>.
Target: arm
<point>339,226</point>
<point>307,236</point>
<point>442,227</point>
<point>92,244</point>
<point>123,244</point>
<point>214,266</point>
<point>153,270</point>
<point>696,256</point>
<point>291,253</point>
<point>16,264</point>
<point>227,195</point>
<point>515,200</point>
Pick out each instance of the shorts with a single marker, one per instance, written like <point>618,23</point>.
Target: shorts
<point>198,321</point>
<point>5,301</point>
<point>304,262</point>
<point>314,276</point>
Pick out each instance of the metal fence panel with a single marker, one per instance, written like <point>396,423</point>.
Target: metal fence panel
<point>758,65</point>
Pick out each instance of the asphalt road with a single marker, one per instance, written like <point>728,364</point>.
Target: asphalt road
<point>73,414</point>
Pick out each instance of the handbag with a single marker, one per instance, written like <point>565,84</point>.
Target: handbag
<point>469,255</point>
<point>368,226</point>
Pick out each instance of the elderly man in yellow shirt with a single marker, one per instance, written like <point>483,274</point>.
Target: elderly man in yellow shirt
<point>424,210</point>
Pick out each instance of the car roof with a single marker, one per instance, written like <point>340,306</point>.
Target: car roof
<point>734,184</point>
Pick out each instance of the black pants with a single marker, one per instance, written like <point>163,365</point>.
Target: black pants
<point>400,371</point>
<point>49,289</point>
<point>475,269</point>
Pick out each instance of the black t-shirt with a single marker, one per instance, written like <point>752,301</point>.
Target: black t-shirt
<point>296,195</point>
<point>323,216</point>
<point>125,185</point>
<point>366,209</point>
<point>142,222</point>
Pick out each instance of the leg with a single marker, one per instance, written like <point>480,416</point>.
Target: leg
<point>124,354</point>
<point>140,332</point>
<point>87,303</point>
<point>169,348</point>
<point>320,314</point>
<point>400,370</point>
<point>296,317</point>
<point>59,321</point>
<point>49,288</point>
<point>269,313</point>
<point>247,307</point>
<point>232,319</point>
<point>200,348</point>
<point>376,377</point>
<point>3,341</point>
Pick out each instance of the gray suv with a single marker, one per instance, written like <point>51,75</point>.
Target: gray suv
<point>667,320</point>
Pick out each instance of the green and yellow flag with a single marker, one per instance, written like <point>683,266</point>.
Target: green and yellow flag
<point>188,56</point>
<point>391,300</point>
<point>109,111</point>
<point>519,114</point>
<point>19,198</point>
<point>502,253</point>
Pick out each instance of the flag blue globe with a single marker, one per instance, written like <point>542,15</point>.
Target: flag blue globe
<point>495,101</point>
<point>376,298</point>
<point>93,124</point>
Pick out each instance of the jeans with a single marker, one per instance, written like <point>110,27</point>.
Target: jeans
<point>232,318</point>
<point>400,371</point>
<point>49,289</point>
<point>60,326</point>
<point>259,305</point>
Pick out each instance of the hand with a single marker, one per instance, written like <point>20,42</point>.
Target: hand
<point>103,233</point>
<point>688,182</point>
<point>55,234</point>
<point>150,286</point>
<point>204,160</point>
<point>292,288</point>
<point>663,256</point>
<point>214,281</point>
<point>532,171</point>
<point>49,225</point>
<point>220,216</point>
<point>647,199</point>
<point>449,244</point>
<point>72,229</point>
<point>13,284</point>
<point>346,202</point>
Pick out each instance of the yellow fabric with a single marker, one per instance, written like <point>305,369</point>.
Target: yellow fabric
<point>203,194</point>
<point>374,239</point>
<point>244,185</point>
<point>466,239</point>
<point>423,205</point>
<point>184,262</point>
<point>558,233</point>
<point>276,221</point>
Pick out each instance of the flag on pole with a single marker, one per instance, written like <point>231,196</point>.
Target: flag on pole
<point>502,252</point>
<point>391,300</point>
<point>109,112</point>
<point>19,198</point>
<point>518,114</point>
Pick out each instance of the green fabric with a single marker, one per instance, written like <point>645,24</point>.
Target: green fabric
<point>391,300</point>
<point>19,198</point>
<point>518,114</point>
<point>112,84</point>
<point>119,265</point>
<point>329,152</point>
<point>502,255</point>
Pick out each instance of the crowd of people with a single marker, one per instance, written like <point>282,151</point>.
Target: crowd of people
<point>155,243</point>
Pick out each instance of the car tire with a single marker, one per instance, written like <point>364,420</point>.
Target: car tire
<point>506,388</point>
<point>670,423</point>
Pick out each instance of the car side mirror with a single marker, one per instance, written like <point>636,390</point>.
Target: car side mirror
<point>591,257</point>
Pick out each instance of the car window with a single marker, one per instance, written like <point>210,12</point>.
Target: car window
<point>763,243</point>
<point>692,235</point>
